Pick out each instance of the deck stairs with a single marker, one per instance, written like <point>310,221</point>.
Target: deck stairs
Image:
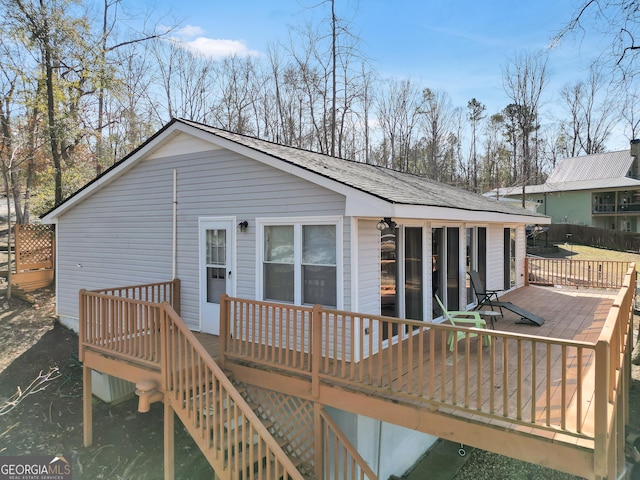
<point>225,433</point>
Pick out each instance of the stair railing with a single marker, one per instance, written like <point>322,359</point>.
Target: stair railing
<point>338,457</point>
<point>223,424</point>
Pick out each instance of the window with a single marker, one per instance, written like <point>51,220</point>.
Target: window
<point>278,263</point>
<point>319,264</point>
<point>300,263</point>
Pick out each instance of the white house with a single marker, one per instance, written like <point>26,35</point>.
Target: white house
<point>228,213</point>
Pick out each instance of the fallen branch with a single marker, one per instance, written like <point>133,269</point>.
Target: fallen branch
<point>37,385</point>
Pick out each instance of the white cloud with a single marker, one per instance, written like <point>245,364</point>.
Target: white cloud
<point>216,48</point>
<point>192,38</point>
<point>190,31</point>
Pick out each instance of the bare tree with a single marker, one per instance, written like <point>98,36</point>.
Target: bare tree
<point>619,20</point>
<point>524,78</point>
<point>438,117</point>
<point>631,111</point>
<point>399,110</point>
<point>187,81</point>
<point>496,166</point>
<point>590,108</point>
<point>106,63</point>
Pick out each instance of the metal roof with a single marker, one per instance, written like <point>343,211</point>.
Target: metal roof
<point>592,167</point>
<point>606,183</point>
<point>589,172</point>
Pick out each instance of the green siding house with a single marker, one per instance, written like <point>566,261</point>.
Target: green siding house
<point>600,190</point>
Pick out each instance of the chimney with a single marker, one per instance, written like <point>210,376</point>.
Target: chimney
<point>635,153</point>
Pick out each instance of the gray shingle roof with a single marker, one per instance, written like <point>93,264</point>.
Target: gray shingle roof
<point>390,185</point>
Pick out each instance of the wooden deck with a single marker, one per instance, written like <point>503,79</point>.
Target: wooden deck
<point>555,394</point>
<point>535,382</point>
<point>569,313</point>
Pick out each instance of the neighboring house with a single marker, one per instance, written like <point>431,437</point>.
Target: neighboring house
<point>600,190</point>
<point>226,213</point>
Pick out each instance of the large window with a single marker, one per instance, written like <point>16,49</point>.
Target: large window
<point>300,264</point>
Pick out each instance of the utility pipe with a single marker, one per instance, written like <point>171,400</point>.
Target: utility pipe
<point>174,252</point>
<point>147,393</point>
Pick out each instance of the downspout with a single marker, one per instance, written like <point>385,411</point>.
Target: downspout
<point>174,247</point>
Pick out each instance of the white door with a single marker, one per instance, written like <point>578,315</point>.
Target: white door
<point>217,240</point>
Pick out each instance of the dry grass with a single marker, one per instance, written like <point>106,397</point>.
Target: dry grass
<point>582,252</point>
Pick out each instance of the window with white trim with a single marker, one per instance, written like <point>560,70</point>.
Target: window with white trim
<point>300,263</point>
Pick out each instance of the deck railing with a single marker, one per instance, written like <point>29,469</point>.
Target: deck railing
<point>126,323</point>
<point>575,273</point>
<point>151,292</point>
<point>525,380</point>
<point>613,369</point>
<point>511,380</point>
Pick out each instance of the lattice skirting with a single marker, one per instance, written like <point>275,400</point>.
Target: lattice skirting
<point>293,421</point>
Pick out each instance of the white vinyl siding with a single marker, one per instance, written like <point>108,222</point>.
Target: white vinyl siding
<point>122,234</point>
<point>180,144</point>
<point>521,253</point>
<point>495,257</point>
<point>368,267</point>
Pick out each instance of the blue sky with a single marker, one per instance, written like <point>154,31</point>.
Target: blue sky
<point>459,46</point>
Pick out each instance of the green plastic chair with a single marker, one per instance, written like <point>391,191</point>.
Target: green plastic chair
<point>463,319</point>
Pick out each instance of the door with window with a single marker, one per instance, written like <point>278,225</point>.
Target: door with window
<point>445,250</point>
<point>217,239</point>
<point>402,275</point>
<point>509,258</point>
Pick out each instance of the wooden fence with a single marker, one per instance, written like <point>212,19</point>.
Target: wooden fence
<point>34,256</point>
<point>591,236</point>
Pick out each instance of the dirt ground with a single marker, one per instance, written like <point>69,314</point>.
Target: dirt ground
<point>46,419</point>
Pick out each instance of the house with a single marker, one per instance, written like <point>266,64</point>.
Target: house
<point>599,190</point>
<point>226,213</point>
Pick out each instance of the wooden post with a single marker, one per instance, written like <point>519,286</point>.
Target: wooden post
<point>164,347</point>
<point>225,328</point>
<point>87,413</point>
<point>169,443</point>
<point>526,271</point>
<point>601,414</point>
<point>318,441</point>
<point>82,315</point>
<point>175,295</point>
<point>316,349</point>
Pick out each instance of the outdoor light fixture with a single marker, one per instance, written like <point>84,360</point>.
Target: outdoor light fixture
<point>243,225</point>
<point>386,222</point>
